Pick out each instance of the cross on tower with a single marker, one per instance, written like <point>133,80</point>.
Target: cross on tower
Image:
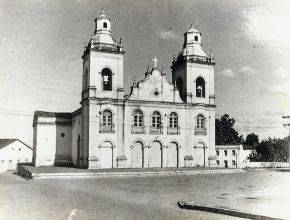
<point>155,60</point>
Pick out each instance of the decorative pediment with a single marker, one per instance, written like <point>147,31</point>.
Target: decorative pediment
<point>155,87</point>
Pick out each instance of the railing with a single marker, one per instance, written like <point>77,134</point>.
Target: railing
<point>138,129</point>
<point>195,58</point>
<point>107,128</point>
<point>200,131</point>
<point>173,130</point>
<point>156,130</point>
<point>199,58</point>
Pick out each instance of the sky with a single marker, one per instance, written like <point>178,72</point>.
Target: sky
<point>41,44</point>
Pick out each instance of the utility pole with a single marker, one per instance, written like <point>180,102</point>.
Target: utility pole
<point>287,125</point>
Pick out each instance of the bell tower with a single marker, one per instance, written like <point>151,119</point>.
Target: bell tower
<point>102,80</point>
<point>193,70</point>
<point>103,63</point>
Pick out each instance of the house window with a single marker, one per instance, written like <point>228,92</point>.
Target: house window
<point>107,118</point>
<point>233,162</point>
<point>156,120</point>
<point>2,162</point>
<point>26,160</point>
<point>138,118</point>
<point>200,122</point>
<point>105,25</point>
<point>218,162</point>
<point>196,38</point>
<point>217,153</point>
<point>226,152</point>
<point>233,152</point>
<point>107,79</point>
<point>173,120</point>
<point>106,124</point>
<point>200,87</point>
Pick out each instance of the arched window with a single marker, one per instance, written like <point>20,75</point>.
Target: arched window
<point>156,120</point>
<point>105,25</point>
<point>196,38</point>
<point>138,118</point>
<point>200,122</point>
<point>107,79</point>
<point>107,118</point>
<point>200,87</point>
<point>173,120</point>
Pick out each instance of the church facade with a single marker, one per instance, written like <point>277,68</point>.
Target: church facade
<point>159,124</point>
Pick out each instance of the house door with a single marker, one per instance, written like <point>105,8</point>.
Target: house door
<point>137,155</point>
<point>198,158</point>
<point>172,155</point>
<point>10,165</point>
<point>226,164</point>
<point>155,154</point>
<point>106,155</point>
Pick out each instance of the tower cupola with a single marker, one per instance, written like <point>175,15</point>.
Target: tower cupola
<point>102,24</point>
<point>192,43</point>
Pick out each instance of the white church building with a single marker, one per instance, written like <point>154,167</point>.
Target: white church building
<point>159,124</point>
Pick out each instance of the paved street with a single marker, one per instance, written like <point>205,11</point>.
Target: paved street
<point>264,191</point>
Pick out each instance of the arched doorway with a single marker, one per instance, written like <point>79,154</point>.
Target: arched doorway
<point>172,155</point>
<point>155,157</point>
<point>137,155</point>
<point>106,155</point>
<point>199,151</point>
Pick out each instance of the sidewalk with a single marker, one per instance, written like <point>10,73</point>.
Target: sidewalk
<point>32,172</point>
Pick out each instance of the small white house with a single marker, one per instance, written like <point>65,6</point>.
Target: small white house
<point>13,151</point>
<point>228,156</point>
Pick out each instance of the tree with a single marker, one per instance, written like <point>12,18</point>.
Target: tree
<point>251,142</point>
<point>225,132</point>
<point>272,150</point>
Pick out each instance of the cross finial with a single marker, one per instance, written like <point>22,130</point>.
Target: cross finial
<point>103,11</point>
<point>155,60</point>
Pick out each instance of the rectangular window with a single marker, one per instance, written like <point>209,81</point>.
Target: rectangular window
<point>173,122</point>
<point>217,152</point>
<point>226,152</point>
<point>2,162</point>
<point>137,121</point>
<point>218,162</point>
<point>233,152</point>
<point>233,162</point>
<point>18,161</point>
<point>26,160</point>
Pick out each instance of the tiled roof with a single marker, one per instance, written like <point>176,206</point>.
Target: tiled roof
<point>6,142</point>
<point>52,114</point>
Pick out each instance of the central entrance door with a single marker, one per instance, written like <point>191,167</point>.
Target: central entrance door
<point>155,154</point>
<point>106,155</point>
<point>199,155</point>
<point>172,155</point>
<point>137,155</point>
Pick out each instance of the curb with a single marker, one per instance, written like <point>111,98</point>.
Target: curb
<point>223,211</point>
<point>64,175</point>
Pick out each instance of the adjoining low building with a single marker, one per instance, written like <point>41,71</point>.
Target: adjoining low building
<point>13,151</point>
<point>228,156</point>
